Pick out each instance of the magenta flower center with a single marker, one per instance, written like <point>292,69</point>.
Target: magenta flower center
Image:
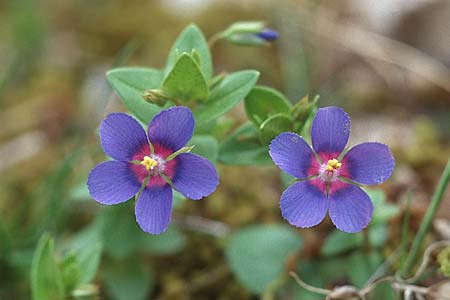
<point>330,171</point>
<point>153,164</point>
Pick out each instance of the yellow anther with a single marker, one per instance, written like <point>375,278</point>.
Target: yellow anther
<point>333,164</point>
<point>149,163</point>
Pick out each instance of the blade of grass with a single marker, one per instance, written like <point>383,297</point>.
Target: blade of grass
<point>405,231</point>
<point>427,219</point>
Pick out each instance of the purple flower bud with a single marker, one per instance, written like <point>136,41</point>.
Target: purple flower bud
<point>269,34</point>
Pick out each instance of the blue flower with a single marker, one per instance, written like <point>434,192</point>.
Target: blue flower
<point>149,161</point>
<point>326,180</point>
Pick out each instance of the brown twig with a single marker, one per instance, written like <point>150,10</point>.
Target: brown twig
<point>410,290</point>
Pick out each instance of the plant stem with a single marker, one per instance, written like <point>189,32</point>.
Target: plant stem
<point>405,232</point>
<point>427,219</point>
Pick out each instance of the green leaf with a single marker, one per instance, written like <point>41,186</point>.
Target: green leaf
<point>206,146</point>
<point>319,273</point>
<point>119,225</point>
<point>88,259</point>
<point>384,291</point>
<point>178,199</point>
<point>377,196</point>
<point>192,39</point>
<point>170,242</point>
<point>130,84</point>
<point>46,278</point>
<point>185,82</point>
<point>378,235</point>
<point>243,147</point>
<point>80,192</point>
<point>228,93</point>
<point>383,211</point>
<point>363,266</point>
<point>338,242</point>
<point>263,102</point>
<point>302,110</point>
<point>70,271</point>
<point>273,126</point>
<point>128,280</point>
<point>257,254</point>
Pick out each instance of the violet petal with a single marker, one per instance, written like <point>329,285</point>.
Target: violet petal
<point>154,208</point>
<point>112,182</point>
<point>303,204</point>
<point>172,128</point>
<point>292,154</point>
<point>121,136</point>
<point>195,176</point>
<point>330,130</point>
<point>369,163</point>
<point>350,208</point>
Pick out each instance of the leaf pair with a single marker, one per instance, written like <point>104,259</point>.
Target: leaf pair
<point>273,113</point>
<point>186,80</point>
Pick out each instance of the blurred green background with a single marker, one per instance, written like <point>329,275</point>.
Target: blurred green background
<point>385,62</point>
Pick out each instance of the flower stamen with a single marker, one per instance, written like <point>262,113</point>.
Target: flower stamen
<point>149,163</point>
<point>330,171</point>
<point>333,164</point>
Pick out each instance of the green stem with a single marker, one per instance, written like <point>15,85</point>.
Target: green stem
<point>405,232</point>
<point>428,218</point>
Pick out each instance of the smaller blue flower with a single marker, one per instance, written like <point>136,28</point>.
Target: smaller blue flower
<point>329,176</point>
<point>146,161</point>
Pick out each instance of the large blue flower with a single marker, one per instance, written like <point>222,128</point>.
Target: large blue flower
<point>143,160</point>
<point>325,182</point>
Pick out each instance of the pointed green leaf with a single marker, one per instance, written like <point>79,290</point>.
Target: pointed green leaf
<point>273,126</point>
<point>130,84</point>
<point>228,93</point>
<point>243,147</point>
<point>263,102</point>
<point>257,254</point>
<point>192,38</point>
<point>185,82</point>
<point>46,278</point>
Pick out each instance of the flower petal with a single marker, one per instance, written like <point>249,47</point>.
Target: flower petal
<point>195,176</point>
<point>369,163</point>
<point>172,127</point>
<point>350,208</point>
<point>292,154</point>
<point>303,204</point>
<point>112,182</point>
<point>154,208</point>
<point>330,130</point>
<point>121,136</point>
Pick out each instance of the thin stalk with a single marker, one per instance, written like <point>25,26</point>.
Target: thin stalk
<point>405,231</point>
<point>428,218</point>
